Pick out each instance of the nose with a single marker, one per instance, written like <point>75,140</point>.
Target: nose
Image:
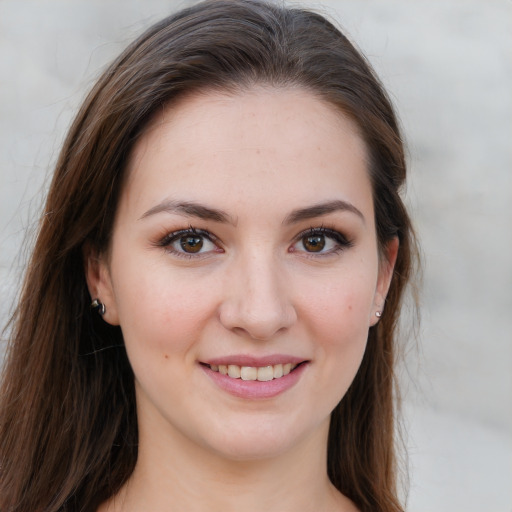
<point>257,300</point>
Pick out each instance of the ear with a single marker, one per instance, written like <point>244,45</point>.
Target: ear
<point>99,282</point>
<point>386,267</point>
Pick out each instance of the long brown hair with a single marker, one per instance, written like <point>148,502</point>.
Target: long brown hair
<point>68,425</point>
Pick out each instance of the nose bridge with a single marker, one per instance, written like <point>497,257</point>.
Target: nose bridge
<point>257,301</point>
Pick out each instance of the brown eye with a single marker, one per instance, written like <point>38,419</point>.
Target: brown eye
<point>321,242</point>
<point>314,243</point>
<point>191,243</point>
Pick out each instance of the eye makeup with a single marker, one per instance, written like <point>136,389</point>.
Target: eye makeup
<point>190,243</point>
<point>321,241</point>
<point>195,243</point>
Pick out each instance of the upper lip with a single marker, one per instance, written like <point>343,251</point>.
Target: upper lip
<point>248,360</point>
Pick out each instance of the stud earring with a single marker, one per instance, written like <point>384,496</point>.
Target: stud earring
<point>99,306</point>
<point>378,314</point>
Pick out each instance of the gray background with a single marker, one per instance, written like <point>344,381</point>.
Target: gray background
<point>447,65</point>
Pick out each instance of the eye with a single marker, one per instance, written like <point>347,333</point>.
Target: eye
<point>321,241</point>
<point>190,242</point>
<point>314,243</point>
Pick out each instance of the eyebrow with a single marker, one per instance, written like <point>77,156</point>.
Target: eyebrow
<point>190,209</point>
<point>320,209</point>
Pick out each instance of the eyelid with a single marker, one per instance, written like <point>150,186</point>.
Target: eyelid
<point>173,235</point>
<point>342,241</point>
<point>167,241</point>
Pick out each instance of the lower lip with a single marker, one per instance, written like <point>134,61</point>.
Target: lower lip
<point>255,389</point>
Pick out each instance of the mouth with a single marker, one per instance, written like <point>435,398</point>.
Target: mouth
<point>252,378</point>
<point>254,373</point>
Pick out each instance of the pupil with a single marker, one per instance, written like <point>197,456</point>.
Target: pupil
<point>191,243</point>
<point>314,243</point>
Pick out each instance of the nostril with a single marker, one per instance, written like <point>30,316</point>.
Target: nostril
<point>259,324</point>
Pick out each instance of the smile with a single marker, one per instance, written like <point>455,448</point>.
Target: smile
<point>254,378</point>
<point>259,373</point>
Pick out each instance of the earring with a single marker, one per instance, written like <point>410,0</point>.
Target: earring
<point>98,305</point>
<point>378,314</point>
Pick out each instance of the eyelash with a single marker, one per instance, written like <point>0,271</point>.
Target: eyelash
<point>170,238</point>
<point>340,240</point>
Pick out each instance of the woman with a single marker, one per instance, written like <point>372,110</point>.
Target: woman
<point>214,291</point>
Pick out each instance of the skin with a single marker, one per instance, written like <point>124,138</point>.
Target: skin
<point>255,288</point>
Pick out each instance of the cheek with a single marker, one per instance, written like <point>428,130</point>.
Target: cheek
<point>342,304</point>
<point>160,312</point>
<point>339,323</point>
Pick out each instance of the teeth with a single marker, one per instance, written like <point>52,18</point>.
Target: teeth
<point>262,373</point>
<point>234,371</point>
<point>265,373</point>
<point>248,373</point>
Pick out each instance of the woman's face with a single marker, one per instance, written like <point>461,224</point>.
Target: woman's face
<point>245,243</point>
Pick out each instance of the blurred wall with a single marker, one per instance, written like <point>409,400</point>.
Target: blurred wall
<point>448,67</point>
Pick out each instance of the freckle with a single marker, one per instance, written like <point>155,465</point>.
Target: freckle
<point>166,356</point>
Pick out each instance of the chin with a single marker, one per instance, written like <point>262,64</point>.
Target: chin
<point>263,441</point>
<point>246,450</point>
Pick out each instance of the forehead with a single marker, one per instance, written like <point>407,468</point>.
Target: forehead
<point>286,143</point>
<point>260,105</point>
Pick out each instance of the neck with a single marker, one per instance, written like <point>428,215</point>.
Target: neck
<point>179,475</point>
